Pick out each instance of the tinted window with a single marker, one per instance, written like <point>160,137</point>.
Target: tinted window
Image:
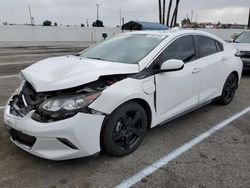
<point>244,37</point>
<point>207,46</point>
<point>182,49</point>
<point>219,46</point>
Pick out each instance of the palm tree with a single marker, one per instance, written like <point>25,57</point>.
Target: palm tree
<point>160,17</point>
<point>164,10</point>
<point>176,13</point>
<point>169,10</point>
<point>174,17</point>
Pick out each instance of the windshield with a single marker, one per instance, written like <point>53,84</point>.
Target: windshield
<point>244,37</point>
<point>130,48</point>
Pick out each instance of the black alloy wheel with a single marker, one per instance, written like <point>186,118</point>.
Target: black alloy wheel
<point>229,90</point>
<point>125,129</point>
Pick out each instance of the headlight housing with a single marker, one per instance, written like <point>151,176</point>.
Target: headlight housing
<point>68,103</point>
<point>58,108</point>
<point>240,53</point>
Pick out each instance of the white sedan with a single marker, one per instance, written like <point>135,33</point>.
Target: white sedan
<point>107,96</point>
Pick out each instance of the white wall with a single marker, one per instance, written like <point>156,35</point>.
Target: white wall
<point>225,34</point>
<point>42,33</point>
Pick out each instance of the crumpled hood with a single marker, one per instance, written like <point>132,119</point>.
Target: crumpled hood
<point>242,46</point>
<point>70,71</point>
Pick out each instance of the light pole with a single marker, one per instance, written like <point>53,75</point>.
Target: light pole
<point>31,18</point>
<point>120,14</point>
<point>97,7</point>
<point>87,22</point>
<point>249,19</point>
<point>192,14</point>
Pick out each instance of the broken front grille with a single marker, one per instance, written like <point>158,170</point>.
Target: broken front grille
<point>25,101</point>
<point>245,54</point>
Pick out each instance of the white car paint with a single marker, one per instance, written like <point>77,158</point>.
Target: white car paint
<point>242,46</point>
<point>167,94</point>
<point>71,71</point>
<point>175,94</point>
<point>82,129</point>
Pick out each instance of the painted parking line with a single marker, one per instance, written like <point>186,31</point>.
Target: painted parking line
<point>177,152</point>
<point>18,63</point>
<point>9,76</point>
<point>2,107</point>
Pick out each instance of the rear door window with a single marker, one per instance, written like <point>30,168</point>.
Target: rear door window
<point>207,46</point>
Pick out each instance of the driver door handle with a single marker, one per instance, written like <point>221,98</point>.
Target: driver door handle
<point>196,70</point>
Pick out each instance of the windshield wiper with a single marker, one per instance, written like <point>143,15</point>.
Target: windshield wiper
<point>97,58</point>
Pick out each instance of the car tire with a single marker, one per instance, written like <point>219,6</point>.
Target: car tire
<point>229,90</point>
<point>125,129</point>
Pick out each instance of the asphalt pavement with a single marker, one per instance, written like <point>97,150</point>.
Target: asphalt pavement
<point>221,160</point>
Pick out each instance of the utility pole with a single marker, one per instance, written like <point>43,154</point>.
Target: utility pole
<point>97,9</point>
<point>87,22</point>
<point>192,14</point>
<point>123,21</point>
<point>249,19</point>
<point>120,14</point>
<point>31,18</point>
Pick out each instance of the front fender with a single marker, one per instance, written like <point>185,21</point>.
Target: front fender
<point>121,92</point>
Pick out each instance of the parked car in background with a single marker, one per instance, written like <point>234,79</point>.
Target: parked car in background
<point>234,36</point>
<point>242,44</point>
<point>107,96</point>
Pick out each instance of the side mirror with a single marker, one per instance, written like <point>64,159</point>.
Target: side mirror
<point>172,65</point>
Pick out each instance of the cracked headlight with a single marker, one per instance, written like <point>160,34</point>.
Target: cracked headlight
<point>70,103</point>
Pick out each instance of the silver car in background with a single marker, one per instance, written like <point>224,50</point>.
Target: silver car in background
<point>242,44</point>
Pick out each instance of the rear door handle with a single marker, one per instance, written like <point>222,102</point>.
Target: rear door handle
<point>196,70</point>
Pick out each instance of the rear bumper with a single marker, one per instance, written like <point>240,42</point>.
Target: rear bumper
<point>75,137</point>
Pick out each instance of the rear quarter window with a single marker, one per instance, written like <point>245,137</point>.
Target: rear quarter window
<point>219,46</point>
<point>207,46</point>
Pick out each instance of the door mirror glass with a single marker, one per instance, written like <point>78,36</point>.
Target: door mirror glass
<point>172,65</point>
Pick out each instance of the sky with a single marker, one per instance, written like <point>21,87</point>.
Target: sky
<point>75,12</point>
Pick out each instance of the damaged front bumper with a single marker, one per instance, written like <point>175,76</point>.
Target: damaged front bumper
<point>78,136</point>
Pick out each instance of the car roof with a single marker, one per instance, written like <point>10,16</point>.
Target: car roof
<point>169,36</point>
<point>175,32</point>
<point>151,32</point>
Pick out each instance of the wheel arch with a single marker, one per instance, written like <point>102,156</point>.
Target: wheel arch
<point>139,101</point>
<point>237,76</point>
<point>234,73</point>
<point>147,108</point>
